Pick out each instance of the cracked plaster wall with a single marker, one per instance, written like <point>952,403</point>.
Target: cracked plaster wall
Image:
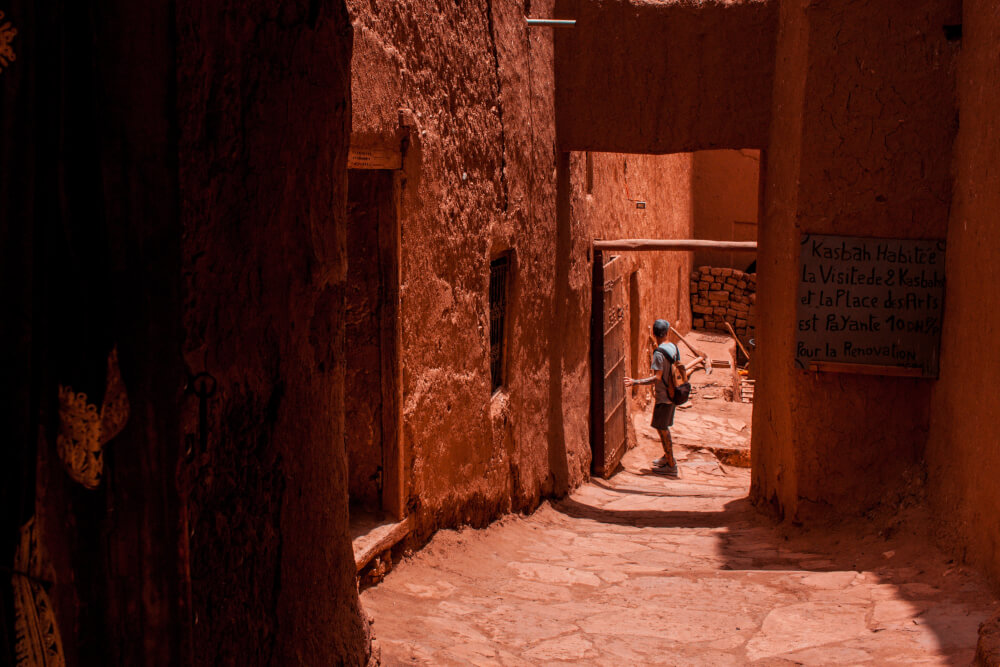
<point>860,144</point>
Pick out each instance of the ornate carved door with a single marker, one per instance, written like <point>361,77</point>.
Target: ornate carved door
<point>608,348</point>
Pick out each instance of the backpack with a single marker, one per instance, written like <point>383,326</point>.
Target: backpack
<point>675,379</point>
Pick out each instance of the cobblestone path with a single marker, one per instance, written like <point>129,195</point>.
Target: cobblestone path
<point>644,570</point>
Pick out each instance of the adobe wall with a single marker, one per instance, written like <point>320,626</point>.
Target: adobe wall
<point>264,114</point>
<point>864,152</point>
<point>664,77</point>
<point>663,183</point>
<point>963,463</point>
<point>481,177</point>
<point>180,185</point>
<point>724,189</point>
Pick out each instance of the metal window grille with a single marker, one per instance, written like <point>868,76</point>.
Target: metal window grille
<point>499,269</point>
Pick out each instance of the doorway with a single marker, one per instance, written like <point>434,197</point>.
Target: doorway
<point>722,394</point>
<point>608,348</point>
<point>372,383</point>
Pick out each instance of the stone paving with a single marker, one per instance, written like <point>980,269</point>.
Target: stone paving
<point>645,570</point>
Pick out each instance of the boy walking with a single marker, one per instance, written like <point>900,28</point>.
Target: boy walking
<point>664,355</point>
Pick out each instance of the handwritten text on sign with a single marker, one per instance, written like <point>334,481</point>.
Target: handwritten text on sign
<point>870,301</point>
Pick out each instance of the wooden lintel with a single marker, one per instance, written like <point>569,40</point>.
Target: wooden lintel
<point>865,369</point>
<point>675,244</point>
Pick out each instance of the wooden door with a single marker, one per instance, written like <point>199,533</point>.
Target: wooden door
<point>372,377</point>
<point>608,347</point>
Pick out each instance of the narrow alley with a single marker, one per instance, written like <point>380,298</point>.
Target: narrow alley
<point>335,332</point>
<point>644,570</point>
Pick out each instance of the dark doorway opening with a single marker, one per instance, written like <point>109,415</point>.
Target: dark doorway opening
<point>608,348</point>
<point>372,383</point>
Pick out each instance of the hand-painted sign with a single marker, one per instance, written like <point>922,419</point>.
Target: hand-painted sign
<point>870,304</point>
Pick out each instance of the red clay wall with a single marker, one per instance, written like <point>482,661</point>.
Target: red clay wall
<point>963,462</point>
<point>482,177</point>
<point>263,120</point>
<point>664,77</point>
<point>724,188</point>
<point>867,153</point>
<point>181,187</point>
<point>663,183</point>
<point>479,180</point>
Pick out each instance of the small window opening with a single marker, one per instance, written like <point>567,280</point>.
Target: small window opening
<point>499,269</point>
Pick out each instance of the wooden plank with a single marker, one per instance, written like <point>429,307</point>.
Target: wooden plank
<point>618,323</point>
<point>379,539</point>
<point>865,369</point>
<point>614,270</point>
<point>374,157</point>
<point>675,244</point>
<point>615,409</point>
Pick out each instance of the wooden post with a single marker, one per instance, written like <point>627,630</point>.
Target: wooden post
<point>674,244</point>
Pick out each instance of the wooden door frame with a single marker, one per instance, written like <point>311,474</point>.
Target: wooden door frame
<point>600,249</point>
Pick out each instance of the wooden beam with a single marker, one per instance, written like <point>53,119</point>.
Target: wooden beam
<point>379,539</point>
<point>674,244</point>
<point>865,369</point>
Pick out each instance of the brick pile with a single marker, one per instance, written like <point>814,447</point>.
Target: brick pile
<point>723,295</point>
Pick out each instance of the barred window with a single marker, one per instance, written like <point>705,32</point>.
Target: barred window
<point>499,269</point>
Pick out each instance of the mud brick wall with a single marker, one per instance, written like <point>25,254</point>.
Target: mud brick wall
<point>720,295</point>
<point>847,158</point>
<point>481,177</point>
<point>962,460</point>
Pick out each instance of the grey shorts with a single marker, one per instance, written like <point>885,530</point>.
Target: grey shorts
<point>663,416</point>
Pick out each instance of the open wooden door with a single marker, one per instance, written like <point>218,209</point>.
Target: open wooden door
<point>608,346</point>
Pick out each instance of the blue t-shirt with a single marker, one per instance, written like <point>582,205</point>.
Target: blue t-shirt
<point>663,356</point>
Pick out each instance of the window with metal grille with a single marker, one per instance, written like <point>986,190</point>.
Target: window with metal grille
<point>499,269</point>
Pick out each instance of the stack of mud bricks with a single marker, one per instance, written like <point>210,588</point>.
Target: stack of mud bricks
<point>723,295</point>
